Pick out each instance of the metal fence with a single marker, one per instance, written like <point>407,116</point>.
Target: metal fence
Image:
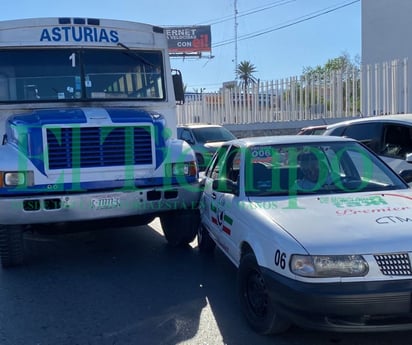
<point>369,90</point>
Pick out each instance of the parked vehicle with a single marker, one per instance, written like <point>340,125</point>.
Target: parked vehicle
<point>390,136</point>
<point>88,128</point>
<point>332,254</point>
<point>204,140</point>
<point>312,130</point>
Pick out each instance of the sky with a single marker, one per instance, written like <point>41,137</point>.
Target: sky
<point>279,37</point>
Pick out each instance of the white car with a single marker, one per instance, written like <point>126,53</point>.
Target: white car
<point>389,136</point>
<point>332,254</point>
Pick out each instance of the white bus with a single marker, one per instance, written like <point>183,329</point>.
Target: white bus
<point>88,127</point>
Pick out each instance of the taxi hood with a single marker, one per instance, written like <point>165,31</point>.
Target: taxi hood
<point>346,223</point>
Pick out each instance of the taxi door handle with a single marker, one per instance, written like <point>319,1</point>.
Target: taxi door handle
<point>213,195</point>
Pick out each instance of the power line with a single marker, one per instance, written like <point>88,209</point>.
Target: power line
<point>284,2</point>
<point>297,21</point>
<point>249,12</point>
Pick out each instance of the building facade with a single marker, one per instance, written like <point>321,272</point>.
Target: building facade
<point>385,50</point>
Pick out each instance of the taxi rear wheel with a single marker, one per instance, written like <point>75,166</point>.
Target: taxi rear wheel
<point>255,300</point>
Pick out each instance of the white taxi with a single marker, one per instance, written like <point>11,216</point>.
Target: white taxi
<point>320,229</point>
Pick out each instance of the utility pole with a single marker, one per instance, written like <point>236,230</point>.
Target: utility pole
<point>236,24</point>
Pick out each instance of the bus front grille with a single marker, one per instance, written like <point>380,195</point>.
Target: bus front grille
<point>92,147</point>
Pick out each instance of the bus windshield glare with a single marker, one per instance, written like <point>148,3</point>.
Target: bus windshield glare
<point>38,75</point>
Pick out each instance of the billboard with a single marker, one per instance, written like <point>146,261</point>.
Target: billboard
<point>189,39</point>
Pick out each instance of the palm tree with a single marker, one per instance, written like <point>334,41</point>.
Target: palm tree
<point>244,72</point>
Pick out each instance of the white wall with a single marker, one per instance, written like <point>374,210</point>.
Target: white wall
<point>386,30</point>
<point>386,36</point>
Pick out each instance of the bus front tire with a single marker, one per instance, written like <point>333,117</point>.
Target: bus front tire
<point>180,226</point>
<point>11,245</point>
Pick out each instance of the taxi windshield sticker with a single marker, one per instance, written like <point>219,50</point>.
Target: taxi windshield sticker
<point>341,202</point>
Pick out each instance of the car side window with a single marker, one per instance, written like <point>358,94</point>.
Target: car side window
<point>225,168</point>
<point>367,133</point>
<point>397,141</point>
<point>186,136</point>
<point>233,164</point>
<point>215,167</point>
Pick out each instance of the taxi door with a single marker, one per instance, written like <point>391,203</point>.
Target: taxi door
<point>220,198</point>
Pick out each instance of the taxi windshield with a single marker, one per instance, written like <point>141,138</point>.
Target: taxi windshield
<point>316,169</point>
<point>38,75</point>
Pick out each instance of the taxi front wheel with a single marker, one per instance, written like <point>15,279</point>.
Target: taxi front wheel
<point>255,301</point>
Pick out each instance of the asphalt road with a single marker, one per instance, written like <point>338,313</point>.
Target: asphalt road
<point>127,287</point>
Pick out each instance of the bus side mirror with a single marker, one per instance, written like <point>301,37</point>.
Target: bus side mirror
<point>178,86</point>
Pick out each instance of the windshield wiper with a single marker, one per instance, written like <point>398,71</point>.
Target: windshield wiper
<point>133,54</point>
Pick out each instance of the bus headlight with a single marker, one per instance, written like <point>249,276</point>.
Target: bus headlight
<point>326,266</point>
<point>16,178</point>
<point>182,169</point>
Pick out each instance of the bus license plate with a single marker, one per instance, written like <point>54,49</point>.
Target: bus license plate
<point>105,203</point>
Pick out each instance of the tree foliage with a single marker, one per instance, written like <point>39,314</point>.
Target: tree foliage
<point>341,68</point>
<point>341,63</point>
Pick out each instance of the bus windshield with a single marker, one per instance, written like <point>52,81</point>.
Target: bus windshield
<point>38,75</point>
